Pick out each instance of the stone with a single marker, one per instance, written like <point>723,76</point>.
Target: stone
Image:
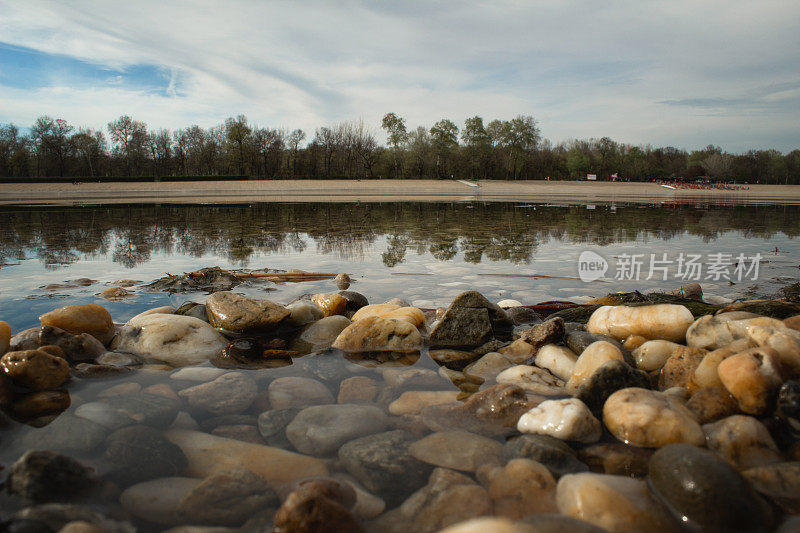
<point>706,374</point>
<point>459,450</point>
<point>375,334</point>
<point>553,453</point>
<point>610,377</point>
<point>6,391</point>
<point>616,459</point>
<point>158,500</point>
<point>357,389</point>
<point>174,339</point>
<point>548,332</point>
<point>662,321</point>
<point>163,310</point>
<point>141,453</point>
<point>690,291</point>
<point>308,512</point>
<point>115,293</point>
<point>567,419</point>
<point>40,403</point>
<point>652,355</point>
<point>67,433</point>
<point>378,310</point>
<point>227,499</point>
<point>49,517</point>
<point>532,379</point>
<point>234,312</point>
<point>201,374</point>
<point>320,334</point>
<point>521,488</point>
<point>522,315</point>
<point>27,339</point>
<point>83,347</point>
<point>43,476</point>
<point>705,491</point>
<point>5,337</point>
<point>710,404</point>
<point>303,312</point>
<point>788,404</point>
<point>411,378</point>
<point>559,360</point>
<point>101,413</point>
<point>634,341</point>
<point>242,432</point>
<point>785,342</point>
<point>680,367</point>
<point>412,315</point>
<point>488,366</point>
<point>518,351</point>
<point>383,463</point>
<point>119,359</point>
<point>35,369</point>
<point>413,402</point>
<point>147,409</point>
<point>233,392</point>
<point>272,426</point>
<point>210,424</point>
<point>331,304</point>
<point>322,429</point>
<point>76,319</point>
<point>80,526</point>
<point>779,482</point>
<point>491,524</point>
<point>326,487</point>
<point>614,503</point>
<point>650,419</point>
<point>579,340</point>
<point>355,300</point>
<point>454,359</point>
<point>753,377</point>
<point>592,358</point>
<point>298,392</point>
<point>471,320</point>
<point>715,331</point>
<point>90,371</point>
<point>742,441</point>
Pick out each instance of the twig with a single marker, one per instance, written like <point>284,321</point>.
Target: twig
<point>543,276</point>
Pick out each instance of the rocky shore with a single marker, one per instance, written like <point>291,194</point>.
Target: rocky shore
<point>656,412</point>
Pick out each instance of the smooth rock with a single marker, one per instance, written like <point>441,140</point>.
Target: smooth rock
<point>710,404</point>
<point>779,482</point>
<point>610,377</point>
<point>753,378</point>
<point>148,409</point>
<point>202,374</point>
<point>272,426</point>
<point>35,369</point>
<point>322,429</point>
<point>141,453</point>
<point>303,312</point>
<point>591,359</point>
<point>785,342</point>
<point>470,320</point>
<point>158,500</point>
<point>488,366</point>
<point>680,367</point>
<point>548,332</point>
<point>634,341</point>
<point>233,392</point>
<point>559,360</point>
<point>706,374</point>
<point>35,404</point>
<point>742,441</point>
<point>532,379</point>
<point>357,389</point>
<point>320,334</point>
<point>412,402</point>
<point>553,453</point>
<point>67,433</point>
<point>521,488</point>
<point>788,404</point>
<point>162,310</point>
<point>331,304</point>
<point>5,337</point>
<point>523,316</point>
<point>652,355</point>
<point>715,331</point>
<point>49,517</point>
<point>661,321</point>
<point>579,340</point>
<point>227,499</point>
<point>234,312</point>
<point>375,334</point>
<point>103,414</point>
<point>409,314</point>
<point>43,476</point>
<point>518,351</point>
<point>567,419</point>
<point>83,347</point>
<point>411,378</point>
<point>119,359</point>
<point>459,450</point>
<point>454,359</point>
<point>616,459</point>
<point>242,432</point>
<point>355,300</point>
<point>308,512</point>
<point>298,392</point>
<point>76,319</point>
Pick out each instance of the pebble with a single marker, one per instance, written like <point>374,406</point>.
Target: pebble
<point>43,476</point>
<point>331,304</point>
<point>523,316</point>
<point>780,482</point>
<point>197,373</point>
<point>320,334</point>
<point>488,366</point>
<point>303,312</point>
<point>297,392</point>
<point>470,320</point>
<point>355,300</point>
<point>413,402</point>
<point>272,426</point>
<point>234,312</point>
<point>141,453</point>
<point>412,315</point>
<point>459,450</point>
<point>454,359</point>
<point>148,409</point>
<point>162,310</point>
<point>76,319</point>
<point>785,342</point>
<point>322,429</point>
<point>230,393</point>
<point>579,340</point>
<point>174,339</point>
<point>101,413</point>
<point>706,374</point>
<point>67,433</point>
<point>304,511</point>
<point>549,332</point>
<point>242,432</point>
<point>553,453</point>
<point>411,378</point>
<point>35,369</point>
<point>505,304</point>
<point>521,488</point>
<point>610,377</point>
<point>788,404</point>
<point>518,351</point>
<point>49,517</point>
<point>158,500</point>
<point>119,359</point>
<point>532,379</point>
<point>753,378</point>
<point>81,347</point>
<point>40,403</point>
<point>634,341</point>
<point>661,321</point>
<point>742,441</point>
<point>5,337</point>
<point>559,360</point>
<point>650,419</point>
<point>375,334</point>
<point>567,419</point>
<point>227,499</point>
<point>680,367</point>
<point>652,355</point>
<point>592,358</point>
<point>617,459</point>
<point>357,389</point>
<point>710,404</point>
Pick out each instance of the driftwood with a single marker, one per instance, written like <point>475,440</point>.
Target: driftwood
<point>215,279</point>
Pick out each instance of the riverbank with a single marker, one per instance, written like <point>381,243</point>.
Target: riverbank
<point>381,191</point>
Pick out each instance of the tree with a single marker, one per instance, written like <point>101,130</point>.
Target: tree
<point>476,140</point>
<point>444,136</point>
<point>294,139</point>
<point>521,137</point>
<point>89,146</point>
<point>238,136</point>
<point>129,137</point>
<point>396,129</point>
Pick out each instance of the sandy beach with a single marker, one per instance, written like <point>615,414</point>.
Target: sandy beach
<point>380,191</point>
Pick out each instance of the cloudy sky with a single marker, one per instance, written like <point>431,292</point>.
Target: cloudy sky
<point>685,73</point>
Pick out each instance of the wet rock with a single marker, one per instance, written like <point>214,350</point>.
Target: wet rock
<point>36,404</point>
<point>471,320</point>
<point>792,322</point>
<point>177,340</point>
<point>322,429</point>
<point>378,310</point>
<point>413,402</point>
<point>680,367</point>
<point>579,340</point>
<point>298,392</point>
<point>634,341</point>
<point>652,355</point>
<point>357,389</point>
<point>705,490</point>
<point>202,374</point>
<point>147,409</point>
<point>382,462</point>
<point>83,347</point>
<point>459,450</point>
<point>355,300</point>
<point>230,393</point>
<point>610,377</point>
<point>518,351</point>
<point>141,453</point>
<point>785,342</point>
<point>331,304</point>
<point>5,337</point>
<point>158,500</point>
<point>454,359</point>
<point>591,359</point>
<point>76,319</point>
<point>164,310</point>
<point>35,369</point>
<point>67,433</point>
<point>233,312</point>
<point>89,371</point>
<point>227,499</point>
<point>614,503</point>
<point>788,404</point>
<point>779,482</point>
<point>101,413</point>
<point>115,293</point>
<point>691,291</point>
<point>119,359</point>
<point>242,432</point>
<point>753,378</point>
<point>532,379</point>
<point>556,455</point>
<point>706,374</point>
<point>272,425</point>
<point>55,516</point>
<point>320,334</point>
<point>27,339</point>
<point>661,321</point>
<point>650,419</point>
<point>309,512</point>
<point>488,366</point>
<point>715,331</point>
<point>521,488</point>
<point>43,476</point>
<point>520,315</point>
<point>6,391</point>
<point>375,334</point>
<point>303,312</point>
<point>193,309</point>
<point>616,459</point>
<point>742,441</point>
<point>548,332</point>
<point>411,378</point>
<point>80,527</point>
<point>559,360</point>
<point>567,419</point>
<point>710,404</point>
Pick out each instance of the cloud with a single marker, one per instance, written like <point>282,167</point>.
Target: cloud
<point>639,72</point>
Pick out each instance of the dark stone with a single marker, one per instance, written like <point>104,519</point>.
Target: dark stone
<point>577,341</point>
<point>558,523</point>
<point>25,340</point>
<point>788,406</point>
<point>355,300</point>
<point>302,512</point>
<point>705,491</point>
<point>40,403</point>
<point>67,433</point>
<point>25,525</point>
<point>550,332</point>
<point>43,476</point>
<point>453,359</point>
<point>6,391</point>
<point>272,426</point>
<point>490,346</point>
<point>326,365</point>
<point>616,459</point>
<point>609,378</point>
<point>471,320</point>
<point>140,453</point>
<point>228,499</point>
<point>148,409</point>
<point>245,349</point>
<point>83,347</point>
<point>209,424</point>
<point>569,327</point>
<point>553,453</point>
<point>382,463</point>
<point>523,315</point>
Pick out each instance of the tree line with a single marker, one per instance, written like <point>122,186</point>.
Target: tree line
<point>500,149</point>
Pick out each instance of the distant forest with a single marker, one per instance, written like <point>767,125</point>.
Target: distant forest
<point>502,149</point>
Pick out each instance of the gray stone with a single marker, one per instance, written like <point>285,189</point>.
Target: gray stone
<point>47,476</point>
<point>141,453</point>
<point>471,320</point>
<point>606,380</point>
<point>54,516</point>
<point>227,499</point>
<point>548,332</point>
<point>230,393</point>
<point>322,429</point>
<point>81,347</point>
<point>67,433</point>
<point>119,359</point>
<point>105,415</point>
<point>147,409</point>
<point>272,425</point>
<point>579,340</point>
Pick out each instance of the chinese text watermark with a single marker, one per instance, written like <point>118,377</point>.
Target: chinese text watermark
<point>715,266</point>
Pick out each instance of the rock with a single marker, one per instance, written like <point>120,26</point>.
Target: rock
<point>141,453</point>
<point>518,351</point>
<point>616,459</point>
<point>115,293</point>
<point>355,300</point>
<point>27,339</point>
<point>357,389</point>
<point>690,291</point>
<point>242,432</point>
<point>579,340</point>
<point>303,312</point>
<point>459,450</point>
<point>742,441</point>
<point>548,332</point>
<point>553,453</point>
<point>412,402</point>
<point>158,500</point>
<point>67,433</point>
<point>706,374</point>
<point>40,403</point>
<point>307,512</point>
<point>411,378</point>
<point>272,426</point>
<point>461,380</point>
<point>5,337</point>
<point>298,392</point>
<point>680,367</point>
<point>471,320</point>
<point>83,347</point>
<point>488,366</point>
<point>788,404</point>
<point>375,334</point>
<point>567,419</point>
<point>532,379</point>
<point>331,304</point>
<point>780,482</point>
<point>614,503</point>
<point>559,360</point>
<point>101,413</point>
<point>234,312</point>
<point>177,340</point>
<point>591,359</point>
<point>162,310</point>
<point>210,424</point>
<point>230,393</point>
<point>409,314</point>
<point>715,331</point>
<point>661,321</point>
<point>326,487</point>
<point>322,429</point>
<point>634,341</point>
<point>753,378</point>
<point>6,391</point>
<point>227,499</point>
<point>43,476</point>
<point>35,369</point>
<point>610,377</point>
<point>80,526</point>
<point>710,404</point>
<point>454,359</point>
<point>119,359</point>
<point>652,355</point>
<point>321,334</point>
<point>785,342</point>
<point>55,516</point>
<point>706,492</point>
<point>378,310</point>
<point>209,455</point>
<point>201,374</point>
<point>650,419</point>
<point>521,488</point>
<point>76,319</point>
<point>492,524</point>
<point>383,463</point>
<point>147,409</point>
<point>89,371</point>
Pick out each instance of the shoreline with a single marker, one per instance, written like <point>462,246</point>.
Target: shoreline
<point>390,190</point>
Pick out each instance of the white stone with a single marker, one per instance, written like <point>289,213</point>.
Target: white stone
<point>505,304</point>
<point>532,379</point>
<point>559,360</point>
<point>163,310</point>
<point>412,402</point>
<point>197,373</point>
<point>304,312</point>
<point>653,354</point>
<point>661,321</point>
<point>567,419</point>
<point>593,357</point>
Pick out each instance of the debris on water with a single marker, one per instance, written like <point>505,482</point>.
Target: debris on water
<point>215,279</point>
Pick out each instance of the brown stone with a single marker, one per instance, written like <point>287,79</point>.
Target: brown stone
<point>35,369</point>
<point>115,293</point>
<point>793,322</point>
<point>358,389</point>
<point>304,512</point>
<point>753,378</point>
<point>680,367</point>
<point>521,488</point>
<point>616,459</point>
<point>375,334</point>
<point>549,332</point>
<point>5,337</point>
<point>331,304</point>
<point>76,319</point>
<point>710,404</point>
<point>233,312</point>
<point>40,403</point>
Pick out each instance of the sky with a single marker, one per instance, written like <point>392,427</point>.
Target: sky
<point>684,73</point>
